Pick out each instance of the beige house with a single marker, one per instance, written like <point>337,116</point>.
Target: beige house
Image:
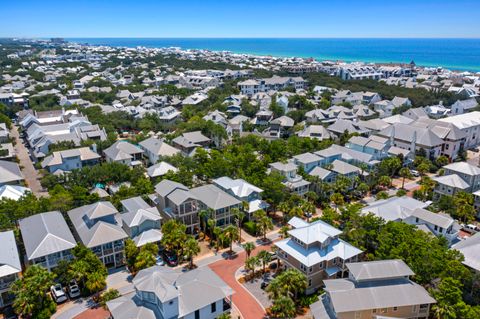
<point>375,289</point>
<point>316,250</point>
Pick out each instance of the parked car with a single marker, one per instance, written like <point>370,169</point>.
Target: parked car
<point>471,228</point>
<point>415,173</point>
<point>265,283</point>
<point>57,293</point>
<point>170,258</point>
<point>73,290</point>
<point>159,261</point>
<point>273,256</point>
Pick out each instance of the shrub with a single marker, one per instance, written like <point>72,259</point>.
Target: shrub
<point>108,295</point>
<point>250,227</point>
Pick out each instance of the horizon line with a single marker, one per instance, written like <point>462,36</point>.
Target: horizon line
<point>234,37</point>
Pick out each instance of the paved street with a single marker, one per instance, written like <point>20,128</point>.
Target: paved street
<point>227,269</point>
<point>31,175</point>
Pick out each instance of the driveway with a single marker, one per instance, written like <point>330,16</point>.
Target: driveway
<point>31,175</point>
<point>247,305</point>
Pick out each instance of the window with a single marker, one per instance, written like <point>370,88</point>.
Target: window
<point>309,282</point>
<point>310,269</point>
<point>384,310</point>
<point>374,310</point>
<point>213,307</point>
<point>395,308</point>
<point>197,314</point>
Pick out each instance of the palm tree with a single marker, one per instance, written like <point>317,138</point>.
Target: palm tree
<point>191,249</point>
<point>385,181</point>
<point>203,216</point>
<point>230,233</point>
<point>284,207</point>
<point>95,282</point>
<point>295,211</point>
<point>288,283</point>
<point>309,208</point>
<point>145,259</point>
<point>78,270</point>
<point>239,217</point>
<point>251,263</point>
<point>337,199</point>
<point>284,307</point>
<point>284,231</point>
<point>211,229</point>
<point>225,315</point>
<point>249,247</point>
<point>263,222</point>
<point>404,173</point>
<point>265,257</point>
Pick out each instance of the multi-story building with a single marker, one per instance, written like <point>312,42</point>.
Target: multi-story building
<point>171,293</point>
<point>10,266</point>
<point>294,182</point>
<point>212,198</point>
<point>468,123</point>
<point>176,201</point>
<point>96,227</point>
<point>124,152</point>
<point>244,192</point>
<point>47,239</point>
<point>68,160</point>
<point>375,289</point>
<point>141,221</point>
<point>316,250</point>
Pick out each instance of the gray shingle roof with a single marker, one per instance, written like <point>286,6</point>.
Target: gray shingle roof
<point>214,197</point>
<point>158,147</point>
<point>46,233</point>
<point>9,172</point>
<point>9,259</point>
<point>470,248</point>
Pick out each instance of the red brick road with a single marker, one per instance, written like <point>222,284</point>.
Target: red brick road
<point>243,300</point>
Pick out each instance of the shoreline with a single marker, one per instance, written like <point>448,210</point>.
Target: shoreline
<point>137,42</point>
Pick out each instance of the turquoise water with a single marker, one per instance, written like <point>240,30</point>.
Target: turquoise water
<point>456,54</point>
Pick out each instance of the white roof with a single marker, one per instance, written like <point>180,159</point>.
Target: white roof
<point>13,192</point>
<point>394,208</point>
<point>9,258</point>
<point>239,187</point>
<point>464,121</point>
<point>470,249</point>
<point>452,180</point>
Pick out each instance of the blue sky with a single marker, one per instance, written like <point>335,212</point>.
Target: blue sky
<point>246,18</point>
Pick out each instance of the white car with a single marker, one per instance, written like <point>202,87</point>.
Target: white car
<point>159,261</point>
<point>57,293</point>
<point>73,290</point>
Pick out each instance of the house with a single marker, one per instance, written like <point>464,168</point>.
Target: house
<point>68,160</point>
<point>10,173</point>
<point>10,267</point>
<point>415,113</point>
<point>411,211</point>
<point>374,145</point>
<point>468,123</point>
<point>176,201</point>
<point>123,152</point>
<point>13,192</point>
<point>341,126</point>
<point>437,111</point>
<point>141,222</point>
<point>168,114</point>
<point>219,202</point>
<point>188,142</point>
<point>463,106</point>
<point>294,182</point>
<point>160,169</point>
<point>315,132</point>
<point>279,127</point>
<point>315,250</point>
<point>96,227</point>
<point>459,176</point>
<point>374,289</point>
<point>161,292</point>
<point>47,239</point>
<point>244,192</point>
<point>155,148</point>
<point>307,161</point>
<point>469,248</point>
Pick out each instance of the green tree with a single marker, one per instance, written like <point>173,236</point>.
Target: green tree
<point>230,233</point>
<point>251,263</point>
<point>405,173</point>
<point>239,217</point>
<point>265,257</point>
<point>283,307</point>
<point>174,236</point>
<point>30,291</point>
<point>289,283</point>
<point>465,210</point>
<point>248,247</point>
<point>449,299</point>
<point>191,250</point>
<point>96,282</point>
<point>131,253</point>
<point>144,259</point>
<point>263,222</point>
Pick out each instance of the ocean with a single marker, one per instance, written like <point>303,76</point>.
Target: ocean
<point>455,54</point>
